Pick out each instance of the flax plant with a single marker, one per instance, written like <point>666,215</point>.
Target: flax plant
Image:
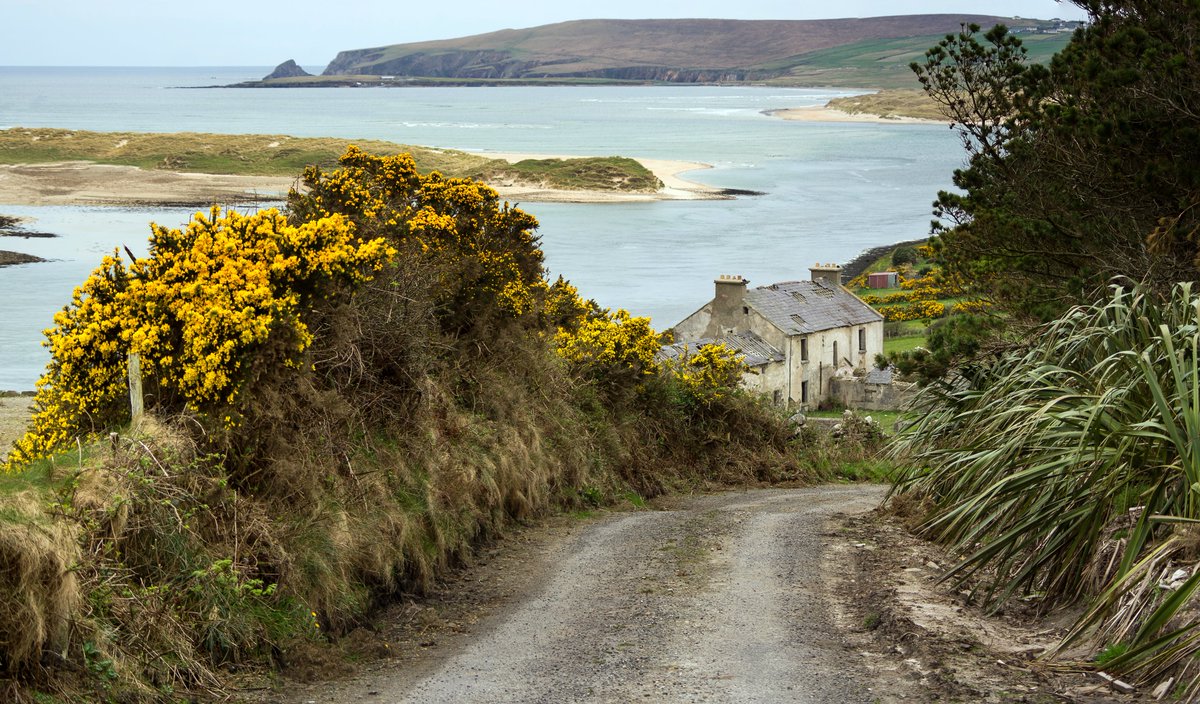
<point>1070,469</point>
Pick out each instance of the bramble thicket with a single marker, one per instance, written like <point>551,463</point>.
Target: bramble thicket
<point>343,398</point>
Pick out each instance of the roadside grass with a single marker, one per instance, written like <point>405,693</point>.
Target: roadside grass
<point>282,155</point>
<point>874,471</point>
<point>35,477</point>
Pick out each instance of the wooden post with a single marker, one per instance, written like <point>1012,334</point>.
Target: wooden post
<point>135,388</point>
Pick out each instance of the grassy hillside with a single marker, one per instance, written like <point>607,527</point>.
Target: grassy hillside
<point>850,52</point>
<point>883,63</point>
<point>281,155</point>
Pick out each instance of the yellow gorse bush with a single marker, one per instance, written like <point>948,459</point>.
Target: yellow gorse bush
<point>483,253</point>
<point>709,374</point>
<point>920,310</point>
<point>564,307</point>
<point>207,304</point>
<point>610,345</point>
<point>974,305</point>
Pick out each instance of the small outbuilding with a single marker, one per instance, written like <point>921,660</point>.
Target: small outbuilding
<point>883,279</point>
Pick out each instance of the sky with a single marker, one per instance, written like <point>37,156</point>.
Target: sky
<point>268,32</point>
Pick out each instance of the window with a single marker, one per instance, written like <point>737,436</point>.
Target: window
<point>778,397</point>
<point>804,392</point>
<point>804,349</point>
<point>835,357</point>
<point>862,339</point>
<point>745,310</point>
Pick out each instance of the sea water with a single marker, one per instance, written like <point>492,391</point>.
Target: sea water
<point>830,190</point>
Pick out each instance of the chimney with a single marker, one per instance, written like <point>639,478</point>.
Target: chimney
<point>827,273</point>
<point>727,305</point>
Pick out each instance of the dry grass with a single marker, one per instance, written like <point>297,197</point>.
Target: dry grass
<point>39,592</point>
<point>258,155</point>
<point>891,103</point>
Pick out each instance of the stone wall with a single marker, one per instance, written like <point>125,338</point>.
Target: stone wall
<point>857,393</point>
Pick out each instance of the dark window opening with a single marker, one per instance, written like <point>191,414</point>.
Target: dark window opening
<point>862,339</point>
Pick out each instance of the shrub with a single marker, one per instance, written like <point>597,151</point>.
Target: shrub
<point>713,372</point>
<point>483,262</point>
<point>615,349</point>
<point>904,255</point>
<point>920,310</point>
<point>211,307</point>
<point>1034,459</point>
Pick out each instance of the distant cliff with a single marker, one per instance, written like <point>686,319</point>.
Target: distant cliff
<point>287,69</point>
<point>678,51</point>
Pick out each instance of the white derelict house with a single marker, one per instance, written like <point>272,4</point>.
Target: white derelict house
<point>796,336</point>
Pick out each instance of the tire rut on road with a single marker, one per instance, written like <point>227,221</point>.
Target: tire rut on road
<point>720,599</point>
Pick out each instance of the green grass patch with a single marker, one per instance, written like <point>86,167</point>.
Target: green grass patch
<point>872,471</point>
<point>876,63</point>
<point>33,476</point>
<point>887,419</point>
<point>904,344</point>
<point>1110,653</point>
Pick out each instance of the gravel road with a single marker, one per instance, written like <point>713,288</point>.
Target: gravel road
<point>720,599</point>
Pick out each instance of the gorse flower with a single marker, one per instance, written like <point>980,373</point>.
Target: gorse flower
<point>484,254</point>
<point>710,373</point>
<point>609,345</point>
<point>199,310</point>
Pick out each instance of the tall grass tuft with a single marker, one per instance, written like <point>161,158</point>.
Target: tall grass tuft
<point>1070,469</point>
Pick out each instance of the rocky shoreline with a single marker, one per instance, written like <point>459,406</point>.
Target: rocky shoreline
<point>8,258</point>
<point>11,226</point>
<point>859,264</point>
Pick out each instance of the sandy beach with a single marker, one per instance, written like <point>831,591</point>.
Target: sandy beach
<point>14,416</point>
<point>821,113</point>
<point>87,183</point>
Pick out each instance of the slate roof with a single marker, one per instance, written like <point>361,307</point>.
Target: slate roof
<point>880,376</point>
<point>754,350</point>
<point>804,307</point>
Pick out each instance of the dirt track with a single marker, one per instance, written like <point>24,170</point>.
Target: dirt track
<point>723,599</point>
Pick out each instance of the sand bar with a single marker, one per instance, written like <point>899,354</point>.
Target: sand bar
<point>674,186</point>
<point>87,183</point>
<point>821,113</point>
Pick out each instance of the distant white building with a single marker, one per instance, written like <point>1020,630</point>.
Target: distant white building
<point>796,336</point>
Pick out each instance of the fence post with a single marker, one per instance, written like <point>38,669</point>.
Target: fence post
<point>135,388</point>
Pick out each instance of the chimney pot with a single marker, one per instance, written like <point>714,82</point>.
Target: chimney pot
<point>828,273</point>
